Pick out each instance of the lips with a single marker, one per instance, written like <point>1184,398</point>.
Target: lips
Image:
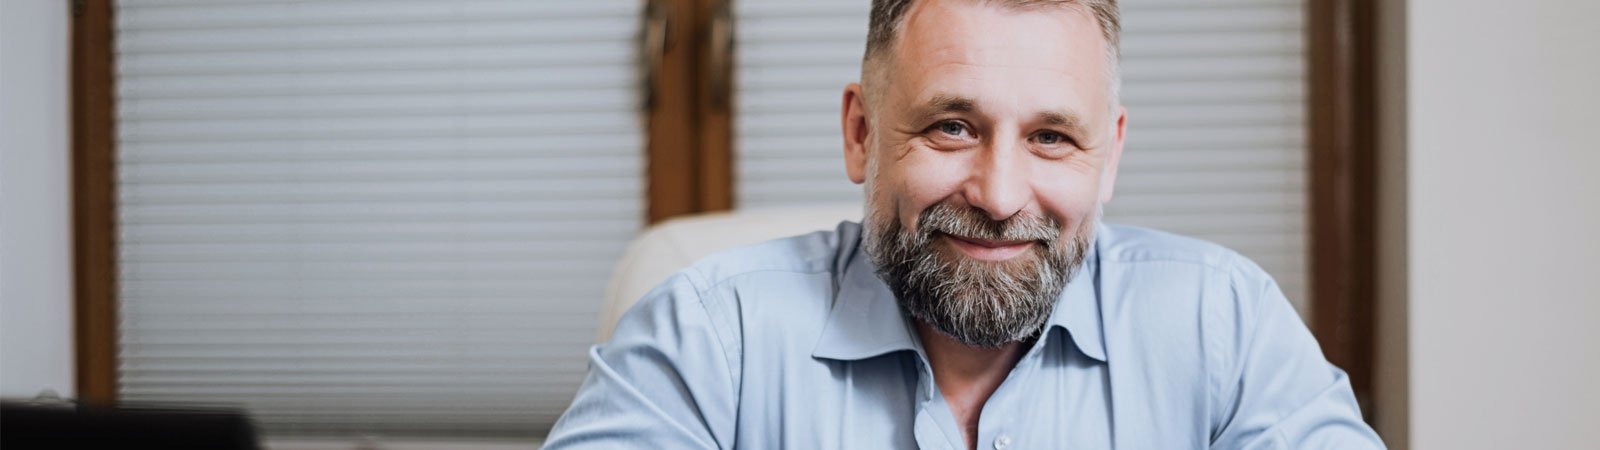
<point>988,250</point>
<point>987,242</point>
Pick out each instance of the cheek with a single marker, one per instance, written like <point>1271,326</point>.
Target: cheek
<point>1068,191</point>
<point>919,180</point>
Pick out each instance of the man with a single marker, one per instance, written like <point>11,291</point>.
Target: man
<point>981,304</point>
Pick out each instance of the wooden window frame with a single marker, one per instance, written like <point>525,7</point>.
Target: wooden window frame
<point>1341,110</point>
<point>689,107</point>
<point>690,165</point>
<point>94,199</point>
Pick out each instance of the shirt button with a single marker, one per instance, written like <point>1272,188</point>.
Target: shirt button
<point>1002,443</point>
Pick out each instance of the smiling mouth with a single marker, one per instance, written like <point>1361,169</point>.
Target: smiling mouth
<point>988,250</point>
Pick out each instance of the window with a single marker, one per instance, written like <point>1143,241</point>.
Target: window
<point>390,218</point>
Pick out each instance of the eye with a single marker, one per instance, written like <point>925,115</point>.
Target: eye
<point>951,128</point>
<point>1050,138</point>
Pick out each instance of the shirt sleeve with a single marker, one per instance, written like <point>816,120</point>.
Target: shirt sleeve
<point>663,381</point>
<point>1281,393</point>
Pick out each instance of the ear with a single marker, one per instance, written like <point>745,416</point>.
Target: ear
<point>1108,174</point>
<point>853,115</point>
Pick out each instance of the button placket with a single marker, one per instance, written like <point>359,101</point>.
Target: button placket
<point>1008,399</point>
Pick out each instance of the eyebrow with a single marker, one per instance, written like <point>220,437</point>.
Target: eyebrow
<point>950,103</point>
<point>943,104</point>
<point>1065,119</point>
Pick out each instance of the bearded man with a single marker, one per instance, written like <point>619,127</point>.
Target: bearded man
<point>981,303</point>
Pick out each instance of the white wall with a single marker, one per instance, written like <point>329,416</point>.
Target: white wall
<point>35,285</point>
<point>1503,223</point>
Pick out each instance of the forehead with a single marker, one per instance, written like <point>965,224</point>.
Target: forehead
<point>954,46</point>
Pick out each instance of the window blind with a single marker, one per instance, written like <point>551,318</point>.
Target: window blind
<point>1215,91</point>
<point>388,218</point>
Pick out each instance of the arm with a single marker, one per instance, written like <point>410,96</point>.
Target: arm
<point>663,381</point>
<point>1280,392</point>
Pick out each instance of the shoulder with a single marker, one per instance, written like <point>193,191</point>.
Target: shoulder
<point>1179,267</point>
<point>789,279</point>
<point>719,296</point>
<point>808,253</point>
<point>1164,258</point>
<point>1181,289</point>
<point>1181,292</point>
<point>1131,245</point>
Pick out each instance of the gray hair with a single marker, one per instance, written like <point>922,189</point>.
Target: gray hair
<point>887,17</point>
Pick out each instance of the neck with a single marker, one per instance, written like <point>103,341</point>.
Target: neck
<point>967,375</point>
<point>961,368</point>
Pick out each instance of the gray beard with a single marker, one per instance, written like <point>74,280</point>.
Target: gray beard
<point>978,303</point>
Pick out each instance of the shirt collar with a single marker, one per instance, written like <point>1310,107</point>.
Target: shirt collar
<point>865,320</point>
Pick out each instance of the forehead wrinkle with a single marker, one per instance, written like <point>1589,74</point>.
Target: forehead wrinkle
<point>959,54</point>
<point>974,72</point>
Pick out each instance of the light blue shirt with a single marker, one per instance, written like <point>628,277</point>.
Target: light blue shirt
<point>1160,342</point>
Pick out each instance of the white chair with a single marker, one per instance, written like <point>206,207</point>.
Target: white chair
<point>672,245</point>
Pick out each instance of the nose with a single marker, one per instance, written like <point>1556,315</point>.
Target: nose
<point>998,183</point>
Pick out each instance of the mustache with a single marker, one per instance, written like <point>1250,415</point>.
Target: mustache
<point>971,222</point>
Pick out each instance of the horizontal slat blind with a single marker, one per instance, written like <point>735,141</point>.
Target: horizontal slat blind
<point>1215,91</point>
<point>388,218</point>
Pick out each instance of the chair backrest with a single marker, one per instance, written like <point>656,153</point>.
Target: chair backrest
<point>672,245</point>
